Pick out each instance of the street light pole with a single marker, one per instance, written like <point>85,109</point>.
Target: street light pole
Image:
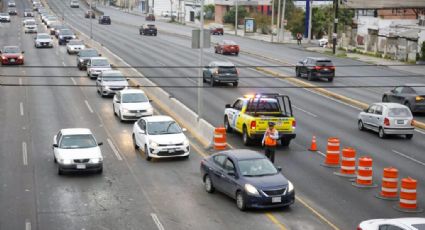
<point>91,23</point>
<point>282,22</point>
<point>201,61</point>
<point>236,17</point>
<point>310,13</point>
<point>334,35</point>
<point>272,20</point>
<point>278,20</point>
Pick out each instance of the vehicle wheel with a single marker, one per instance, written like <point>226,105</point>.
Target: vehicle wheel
<point>227,125</point>
<point>113,109</point>
<point>245,137</point>
<point>297,73</point>
<point>236,54</point>
<point>203,78</point>
<point>215,50</point>
<point>147,157</point>
<point>360,125</point>
<point>385,98</point>
<point>60,172</point>
<point>68,51</point>
<point>331,79</point>
<point>54,159</point>
<point>209,187</point>
<point>240,201</point>
<point>409,136</point>
<point>235,84</point>
<point>381,133</point>
<point>285,142</point>
<point>134,142</point>
<point>309,76</point>
<point>154,34</point>
<point>212,81</point>
<point>408,105</point>
<point>100,171</point>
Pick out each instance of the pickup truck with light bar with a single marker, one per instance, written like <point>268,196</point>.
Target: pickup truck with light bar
<point>250,115</point>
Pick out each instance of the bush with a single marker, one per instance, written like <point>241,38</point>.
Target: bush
<point>263,23</point>
<point>209,11</point>
<point>422,56</point>
<point>229,17</point>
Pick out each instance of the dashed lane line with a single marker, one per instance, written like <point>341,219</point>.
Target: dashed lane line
<point>114,149</point>
<point>20,81</point>
<point>88,106</point>
<point>157,222</point>
<point>24,154</point>
<point>73,81</point>
<point>409,157</point>
<point>27,225</point>
<point>317,213</point>
<point>275,221</point>
<point>21,108</point>
<point>305,111</point>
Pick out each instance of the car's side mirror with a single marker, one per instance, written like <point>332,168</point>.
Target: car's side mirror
<point>300,62</point>
<point>100,143</point>
<point>184,129</point>
<point>228,106</point>
<point>206,67</point>
<point>279,169</point>
<point>231,173</point>
<point>55,145</point>
<point>393,91</point>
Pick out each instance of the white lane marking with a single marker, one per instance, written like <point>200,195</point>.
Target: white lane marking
<point>409,157</point>
<point>20,81</point>
<point>21,108</point>
<point>73,81</point>
<point>321,153</point>
<point>63,63</point>
<point>420,131</point>
<point>307,112</point>
<point>160,63</point>
<point>27,225</point>
<point>114,149</point>
<point>157,222</point>
<point>24,153</point>
<point>88,106</point>
<point>191,80</point>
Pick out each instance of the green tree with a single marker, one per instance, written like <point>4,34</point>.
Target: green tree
<point>229,17</point>
<point>296,21</point>
<point>209,11</point>
<point>263,23</point>
<point>422,56</point>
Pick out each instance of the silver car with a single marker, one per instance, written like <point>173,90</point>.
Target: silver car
<point>387,119</point>
<point>410,95</point>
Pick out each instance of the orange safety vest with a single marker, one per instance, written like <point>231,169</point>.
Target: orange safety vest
<point>268,141</point>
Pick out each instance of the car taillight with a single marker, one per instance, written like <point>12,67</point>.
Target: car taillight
<point>331,67</point>
<point>294,123</point>
<point>237,71</point>
<point>20,57</point>
<point>386,121</point>
<point>253,124</point>
<point>317,68</point>
<point>419,98</point>
<point>359,228</point>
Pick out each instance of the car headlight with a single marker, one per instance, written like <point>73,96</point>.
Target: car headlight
<point>290,186</point>
<point>251,190</point>
<point>125,110</point>
<point>150,110</point>
<point>106,87</point>
<point>65,161</point>
<point>186,142</point>
<point>153,144</point>
<point>96,160</point>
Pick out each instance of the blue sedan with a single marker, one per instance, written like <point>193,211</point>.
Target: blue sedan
<point>248,177</point>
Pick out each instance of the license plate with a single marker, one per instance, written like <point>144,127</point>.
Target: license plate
<point>171,150</point>
<point>12,60</point>
<point>400,122</point>
<point>276,199</point>
<point>80,166</point>
<point>325,69</point>
<point>139,114</point>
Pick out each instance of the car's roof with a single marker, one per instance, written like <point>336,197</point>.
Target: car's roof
<point>407,221</point>
<point>158,118</point>
<point>8,47</point>
<point>98,58</point>
<point>414,85</point>
<point>390,104</point>
<point>112,72</point>
<point>75,131</point>
<point>243,154</point>
<point>320,58</point>
<point>126,91</point>
<point>43,34</point>
<point>88,49</point>
<point>223,63</point>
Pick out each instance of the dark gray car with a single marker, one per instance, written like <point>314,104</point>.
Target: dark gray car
<point>410,95</point>
<point>84,56</point>
<point>221,72</point>
<point>314,68</point>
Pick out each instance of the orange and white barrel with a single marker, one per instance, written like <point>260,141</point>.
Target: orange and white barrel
<point>364,171</point>
<point>408,193</point>
<point>220,138</point>
<point>348,161</point>
<point>332,152</point>
<point>389,187</point>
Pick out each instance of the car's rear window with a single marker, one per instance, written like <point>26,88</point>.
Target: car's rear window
<point>264,105</point>
<point>88,53</point>
<point>399,112</point>
<point>324,63</point>
<point>151,26</point>
<point>229,42</point>
<point>227,69</point>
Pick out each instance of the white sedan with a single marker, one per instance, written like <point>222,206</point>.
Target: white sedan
<point>77,150</point>
<point>131,104</point>
<point>393,224</point>
<point>74,46</point>
<point>43,40</point>
<point>160,137</point>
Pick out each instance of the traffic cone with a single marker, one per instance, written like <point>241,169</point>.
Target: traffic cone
<point>313,146</point>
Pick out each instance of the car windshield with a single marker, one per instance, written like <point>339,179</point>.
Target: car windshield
<point>227,69</point>
<point>419,90</point>
<point>134,98</point>
<point>52,18</point>
<point>399,112</point>
<point>264,105</point>
<point>43,36</point>
<point>324,63</point>
<point>227,42</point>
<point>11,50</point>
<point>113,77</point>
<point>163,127</point>
<point>88,53</point>
<point>256,167</point>
<point>75,42</point>
<point>66,32</point>
<point>99,62</point>
<point>105,17</point>
<point>78,141</point>
<point>30,23</point>
<point>3,14</point>
<point>419,226</point>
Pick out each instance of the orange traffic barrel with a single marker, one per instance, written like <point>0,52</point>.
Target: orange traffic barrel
<point>364,177</point>
<point>408,198</point>
<point>332,153</point>
<point>389,187</point>
<point>220,138</point>
<point>348,163</point>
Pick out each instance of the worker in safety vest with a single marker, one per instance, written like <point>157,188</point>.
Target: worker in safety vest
<point>270,141</point>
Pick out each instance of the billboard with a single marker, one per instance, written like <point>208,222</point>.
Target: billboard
<point>382,4</point>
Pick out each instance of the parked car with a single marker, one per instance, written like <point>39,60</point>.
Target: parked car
<point>74,46</point>
<point>323,42</point>
<point>150,17</point>
<point>89,13</point>
<point>168,14</point>
<point>160,137</point>
<point>227,47</point>
<point>109,82</point>
<point>30,27</point>
<point>11,4</point>
<point>249,177</point>
<point>131,104</point>
<point>28,13</point>
<point>12,55</point>
<point>221,72</point>
<point>96,65</point>
<point>315,68</point>
<point>104,20</point>
<point>149,29</point>
<point>410,95</point>
<point>4,17</point>
<point>84,56</point>
<point>407,223</point>
<point>75,4</point>
<point>387,119</point>
<point>65,35</point>
<point>37,7</point>
<point>12,11</point>
<point>76,149</point>
<point>216,29</point>
<point>43,40</point>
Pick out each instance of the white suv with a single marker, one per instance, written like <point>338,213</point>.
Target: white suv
<point>109,82</point>
<point>95,65</point>
<point>131,104</point>
<point>160,137</point>
<point>76,149</point>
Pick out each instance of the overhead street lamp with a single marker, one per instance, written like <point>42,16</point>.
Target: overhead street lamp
<point>201,61</point>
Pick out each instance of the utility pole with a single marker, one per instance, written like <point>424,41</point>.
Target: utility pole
<point>310,20</point>
<point>91,21</point>
<point>334,35</point>
<point>282,22</point>
<point>272,20</point>
<point>278,21</point>
<point>236,17</point>
<point>201,62</point>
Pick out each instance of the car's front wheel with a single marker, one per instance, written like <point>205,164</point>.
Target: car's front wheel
<point>385,98</point>
<point>60,172</point>
<point>235,84</point>
<point>245,137</point>
<point>227,125</point>
<point>360,125</point>
<point>134,142</point>
<point>240,201</point>
<point>209,187</point>
<point>409,136</point>
<point>146,151</point>
<point>381,133</point>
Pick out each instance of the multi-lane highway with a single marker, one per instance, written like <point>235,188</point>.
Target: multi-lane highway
<point>135,194</point>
